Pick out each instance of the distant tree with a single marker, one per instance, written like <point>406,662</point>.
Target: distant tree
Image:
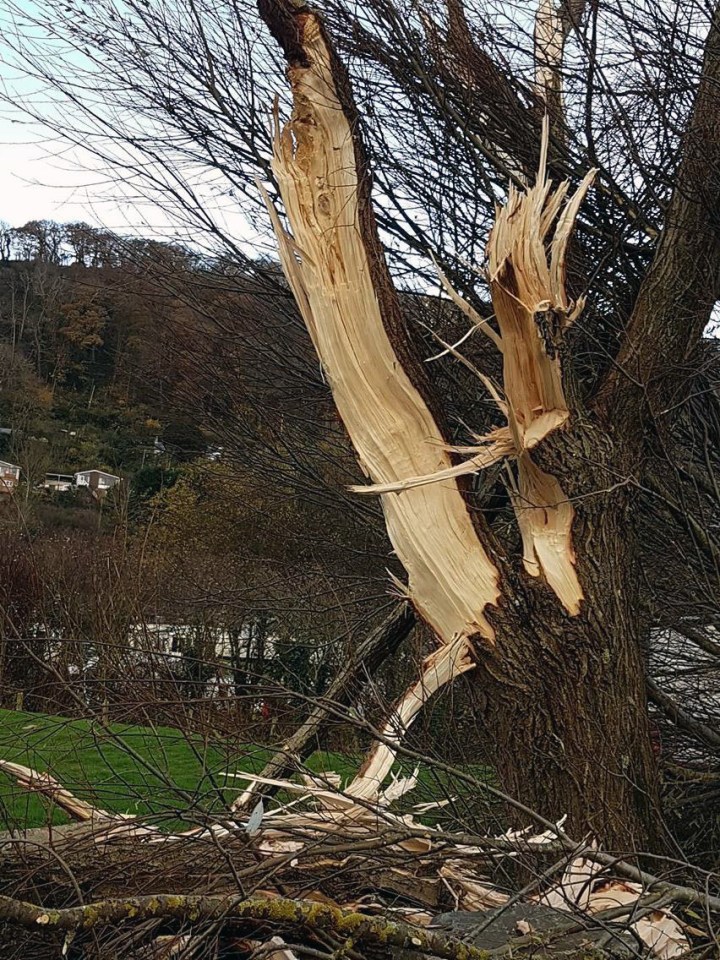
<point>6,241</point>
<point>23,397</point>
<point>184,440</point>
<point>40,240</point>
<point>152,479</point>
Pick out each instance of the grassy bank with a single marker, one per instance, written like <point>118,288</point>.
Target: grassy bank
<point>158,771</point>
<point>125,769</point>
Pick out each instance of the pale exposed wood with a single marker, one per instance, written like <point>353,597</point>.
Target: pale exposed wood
<point>499,445</point>
<point>451,577</point>
<point>545,517</point>
<point>550,33</point>
<point>529,296</point>
<point>46,785</point>
<point>104,824</point>
<point>288,831</point>
<point>470,892</point>
<point>533,310</point>
<point>583,888</point>
<point>440,668</point>
<point>381,644</point>
<point>470,312</point>
<point>331,262</point>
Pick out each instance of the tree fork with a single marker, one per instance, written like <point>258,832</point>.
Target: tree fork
<point>567,665</point>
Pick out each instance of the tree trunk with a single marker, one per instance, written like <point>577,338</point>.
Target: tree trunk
<point>563,698</point>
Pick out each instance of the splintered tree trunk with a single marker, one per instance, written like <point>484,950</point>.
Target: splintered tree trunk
<point>551,629</point>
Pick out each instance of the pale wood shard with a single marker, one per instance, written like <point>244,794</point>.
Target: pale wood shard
<point>575,886</point>
<point>498,446</point>
<point>529,295</point>
<point>440,668</point>
<point>659,930</point>
<point>545,517</point>
<point>533,310</point>
<point>550,34</point>
<point>479,323</point>
<point>363,814</point>
<point>470,892</point>
<point>527,275</point>
<point>451,578</point>
<point>342,806</point>
<point>47,786</point>
<point>582,888</point>
<point>104,824</point>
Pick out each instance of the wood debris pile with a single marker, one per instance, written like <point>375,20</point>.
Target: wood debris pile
<point>399,864</point>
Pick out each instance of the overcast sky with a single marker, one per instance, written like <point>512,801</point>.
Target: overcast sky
<point>43,178</point>
<point>39,178</point>
<point>42,181</point>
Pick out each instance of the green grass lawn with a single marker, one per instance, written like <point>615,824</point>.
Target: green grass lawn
<point>156,771</point>
<point>126,769</point>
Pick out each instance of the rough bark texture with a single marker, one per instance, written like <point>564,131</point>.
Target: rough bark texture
<point>682,283</point>
<point>563,700</point>
<point>564,696</point>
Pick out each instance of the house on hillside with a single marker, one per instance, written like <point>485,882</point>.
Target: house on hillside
<point>62,482</point>
<point>98,482</point>
<point>9,476</point>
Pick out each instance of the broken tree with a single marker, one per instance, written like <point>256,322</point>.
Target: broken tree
<point>591,520</point>
<point>553,630</point>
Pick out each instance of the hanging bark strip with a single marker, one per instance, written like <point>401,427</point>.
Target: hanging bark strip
<point>335,265</point>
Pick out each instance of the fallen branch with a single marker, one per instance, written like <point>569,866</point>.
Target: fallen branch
<point>289,833</point>
<point>77,809</point>
<point>193,909</point>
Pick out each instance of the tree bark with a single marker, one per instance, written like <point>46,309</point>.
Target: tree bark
<point>563,699</point>
<point>682,283</point>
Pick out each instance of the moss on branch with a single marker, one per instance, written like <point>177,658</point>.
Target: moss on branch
<point>370,931</point>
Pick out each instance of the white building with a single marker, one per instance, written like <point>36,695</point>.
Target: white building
<point>62,482</point>
<point>9,476</point>
<point>97,481</point>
